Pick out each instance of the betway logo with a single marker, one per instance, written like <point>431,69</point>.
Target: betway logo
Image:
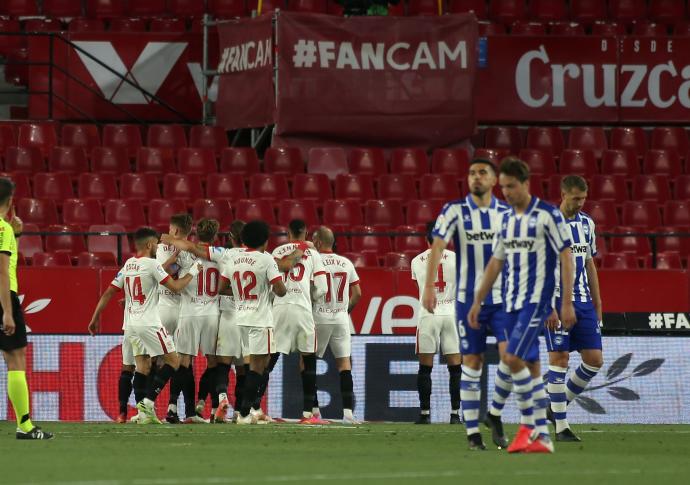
<point>579,249</point>
<point>149,71</point>
<point>643,86</point>
<point>527,244</point>
<point>473,236</point>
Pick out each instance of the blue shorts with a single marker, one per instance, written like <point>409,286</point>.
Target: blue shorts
<point>525,326</point>
<point>585,334</point>
<point>491,316</point>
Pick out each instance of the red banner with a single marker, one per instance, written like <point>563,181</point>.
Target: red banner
<point>246,94</point>
<point>374,80</point>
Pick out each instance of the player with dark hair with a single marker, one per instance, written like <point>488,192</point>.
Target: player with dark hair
<point>437,330</point>
<point>13,340</point>
<point>140,277</point>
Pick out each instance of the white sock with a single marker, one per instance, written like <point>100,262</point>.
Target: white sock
<point>315,411</point>
<point>222,396</point>
<point>470,397</point>
<point>522,386</point>
<point>540,403</point>
<point>172,408</point>
<point>347,413</point>
<point>148,402</point>
<point>307,414</point>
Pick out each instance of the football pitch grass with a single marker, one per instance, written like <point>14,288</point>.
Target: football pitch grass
<point>108,454</point>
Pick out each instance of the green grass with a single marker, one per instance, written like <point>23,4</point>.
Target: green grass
<point>376,453</point>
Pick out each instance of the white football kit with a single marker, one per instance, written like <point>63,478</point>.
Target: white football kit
<point>437,331</point>
<point>229,333</point>
<point>330,311</point>
<point>168,301</point>
<point>294,322</point>
<point>140,279</point>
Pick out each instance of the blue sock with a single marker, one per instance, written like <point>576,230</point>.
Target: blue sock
<point>540,403</point>
<point>503,386</point>
<point>470,396</point>
<point>556,388</point>
<point>522,385</point>
<point>579,379</point>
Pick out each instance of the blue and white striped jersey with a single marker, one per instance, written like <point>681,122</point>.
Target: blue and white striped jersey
<point>530,244</point>
<point>472,230</point>
<point>584,248</point>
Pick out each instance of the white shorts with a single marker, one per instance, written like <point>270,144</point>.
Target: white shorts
<point>197,333</point>
<point>152,341</point>
<point>295,329</point>
<point>169,317</point>
<point>258,340</point>
<point>337,337</point>
<point>436,332</point>
<point>229,336</point>
<point>127,350</point>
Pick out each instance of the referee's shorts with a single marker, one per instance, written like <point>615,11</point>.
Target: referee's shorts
<point>18,339</point>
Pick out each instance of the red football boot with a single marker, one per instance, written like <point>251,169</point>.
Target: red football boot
<point>521,440</point>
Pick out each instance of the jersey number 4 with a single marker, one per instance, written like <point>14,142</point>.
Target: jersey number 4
<point>134,289</point>
<point>341,277</point>
<point>244,291</point>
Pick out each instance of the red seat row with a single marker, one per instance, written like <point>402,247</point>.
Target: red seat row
<point>639,214</point>
<point>627,261</point>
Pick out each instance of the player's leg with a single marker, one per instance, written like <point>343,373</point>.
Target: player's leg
<point>341,347</point>
<point>258,341</point>
<point>427,344</point>
<point>450,347</point>
<point>157,342</point>
<point>228,348</point>
<point>169,319</point>
<point>503,382</point>
<point>188,337</point>
<point>222,380</point>
<point>241,370</point>
<point>124,390</point>
<point>558,368</point>
<point>585,337</point>
<point>208,343</point>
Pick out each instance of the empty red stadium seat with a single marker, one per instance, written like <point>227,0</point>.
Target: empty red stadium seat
<point>18,8</point>
<point>450,161</point>
<point>309,6</point>
<point>225,186</point>
<point>539,161</point>
<point>681,29</point>
<point>620,162</point>
<point>428,8</point>
<point>84,136</point>
<point>603,212</point>
<point>166,136</point>
<point>10,44</point>
<point>608,187</point>
<point>82,212</point>
<point>641,214</point>
<point>148,8</point>
<point>591,138</point>
<point>681,187</point>
<point>62,8</point>
<point>41,136</point>
<point>670,138</point>
<point>68,159</point>
<point>218,209</point>
<point>110,160</point>
<point>548,10</point>
<point>363,260</point>
<point>396,10</point>
<point>253,209</point>
<point>566,28</point>
<point>312,186</point>
<point>523,27</point>
<point>186,8</point>
<point>41,212</point>
<point>651,187</point>
<point>368,241</point>
<point>122,24</point>
<point>476,6</point>
<point>587,11</point>
<point>96,260</point>
<point>619,261</point>
<point>71,244</point>
<point>139,186</point>
<point>107,243</point>
<point>645,28</point>
<point>665,260</point>
<point>667,11</point>
<point>155,160</point>
<point>368,160</point>
<point>8,137</point>
<point>105,8</point>
<point>227,8</point>
<point>662,162</point>
<point>342,212</point>
<point>507,11</point>
<point>383,213</point>
<point>398,261</point>
<point>239,160</point>
<point>637,245</point>
<point>26,160</point>
<point>491,28</point>
<point>354,186</point>
<point>196,160</point>
<point>610,29</point>
<point>182,186</point>
<point>412,161</point>
<point>629,138</point>
<point>438,186</point>
<point>204,136</point>
<point>289,209</point>
<point>335,8</point>
<point>83,24</point>
<point>126,212</point>
<point>627,10</point>
<point>287,160</point>
<point>268,186</point>
<point>330,161</point>
<point>51,260</point>
<point>409,242</point>
<point>672,243</point>
<point>397,186</point>
<point>545,138</point>
<point>507,137</point>
<point>278,237</point>
<point>677,213</point>
<point>53,185</point>
<point>22,187</point>
<point>578,162</point>
<point>161,210</point>
<point>29,245</point>
<point>123,136</point>
<point>42,25</point>
<point>420,212</point>
<point>167,25</point>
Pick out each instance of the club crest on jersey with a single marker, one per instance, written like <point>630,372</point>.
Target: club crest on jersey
<point>585,228</point>
<point>556,213</point>
<point>532,222</point>
<point>467,218</point>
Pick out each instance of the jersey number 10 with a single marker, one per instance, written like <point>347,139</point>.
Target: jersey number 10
<point>207,282</point>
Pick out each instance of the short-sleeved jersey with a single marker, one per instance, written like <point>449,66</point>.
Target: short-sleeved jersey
<point>167,297</point>
<point>530,245</point>
<point>445,281</point>
<point>8,246</point>
<point>200,296</point>
<point>298,280</point>
<point>584,248</point>
<point>340,276</point>
<point>251,275</point>
<point>472,229</point>
<point>140,279</point>
<point>227,302</point>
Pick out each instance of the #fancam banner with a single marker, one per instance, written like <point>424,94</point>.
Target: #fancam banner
<point>75,378</point>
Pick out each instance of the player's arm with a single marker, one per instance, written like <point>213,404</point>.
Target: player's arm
<point>567,281</point>
<point>278,287</point>
<point>593,278</point>
<point>198,250</point>
<point>224,286</point>
<point>355,296</point>
<point>491,272</point>
<point>167,264</point>
<point>8,326</point>
<point>179,284</point>
<point>320,279</point>
<point>95,323</point>
<point>429,294</point>
<point>287,262</point>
